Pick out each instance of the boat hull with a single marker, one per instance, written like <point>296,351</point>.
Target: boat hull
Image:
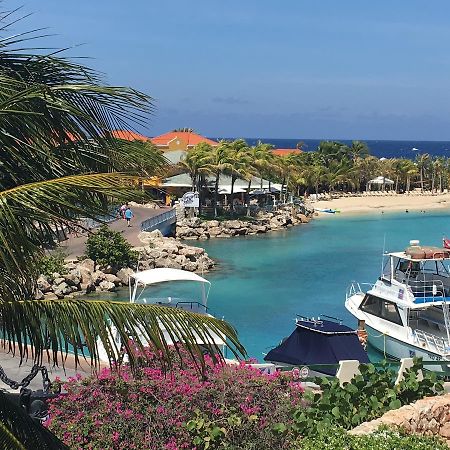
<point>394,348</point>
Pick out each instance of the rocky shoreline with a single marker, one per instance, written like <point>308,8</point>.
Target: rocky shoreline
<point>263,222</point>
<point>82,277</point>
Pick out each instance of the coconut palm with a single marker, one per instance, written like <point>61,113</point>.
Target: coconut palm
<point>215,163</point>
<point>239,160</point>
<point>59,161</point>
<point>422,165</point>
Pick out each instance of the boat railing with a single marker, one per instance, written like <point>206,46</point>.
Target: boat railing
<point>427,288</point>
<point>181,303</point>
<point>358,288</point>
<point>431,341</point>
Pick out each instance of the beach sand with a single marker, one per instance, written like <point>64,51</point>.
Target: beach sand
<point>400,202</point>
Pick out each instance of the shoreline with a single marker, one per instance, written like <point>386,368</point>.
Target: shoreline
<point>357,205</point>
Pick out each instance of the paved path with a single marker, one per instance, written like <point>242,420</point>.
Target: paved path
<point>75,246</point>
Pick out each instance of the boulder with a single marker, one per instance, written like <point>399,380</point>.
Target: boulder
<point>107,286</point>
<point>212,223</point>
<point>214,231</point>
<point>232,224</point>
<point>169,263</point>
<point>85,275</point>
<point>50,296</point>
<point>112,278</point>
<point>190,251</point>
<point>98,277</point>
<point>123,275</point>
<point>58,281</point>
<point>71,279</point>
<point>88,264</point>
<point>39,295</point>
<point>43,285</point>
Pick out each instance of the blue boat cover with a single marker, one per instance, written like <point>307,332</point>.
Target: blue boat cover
<point>312,344</point>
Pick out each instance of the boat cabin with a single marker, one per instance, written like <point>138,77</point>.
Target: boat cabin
<point>414,292</point>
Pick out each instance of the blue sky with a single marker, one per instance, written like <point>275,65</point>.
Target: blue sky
<point>264,68</point>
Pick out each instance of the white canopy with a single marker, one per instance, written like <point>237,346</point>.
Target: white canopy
<point>381,180</point>
<point>154,276</point>
<point>227,190</point>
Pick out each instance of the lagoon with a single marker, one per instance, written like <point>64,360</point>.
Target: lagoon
<point>262,282</point>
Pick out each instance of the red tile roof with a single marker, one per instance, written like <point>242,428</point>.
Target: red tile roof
<point>285,151</point>
<point>190,137</point>
<point>129,135</point>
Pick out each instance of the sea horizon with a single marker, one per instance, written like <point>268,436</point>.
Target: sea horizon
<point>382,148</point>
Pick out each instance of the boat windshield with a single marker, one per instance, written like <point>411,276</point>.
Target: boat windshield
<point>428,277</point>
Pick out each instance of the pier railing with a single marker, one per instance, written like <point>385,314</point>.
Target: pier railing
<point>153,222</point>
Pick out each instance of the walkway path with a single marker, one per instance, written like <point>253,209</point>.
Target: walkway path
<point>75,246</point>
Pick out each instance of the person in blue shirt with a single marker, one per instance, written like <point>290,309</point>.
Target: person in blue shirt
<point>128,216</point>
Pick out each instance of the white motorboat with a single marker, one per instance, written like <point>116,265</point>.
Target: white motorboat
<point>406,311</point>
<point>139,284</point>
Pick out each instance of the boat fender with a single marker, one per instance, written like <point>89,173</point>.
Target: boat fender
<point>362,337</point>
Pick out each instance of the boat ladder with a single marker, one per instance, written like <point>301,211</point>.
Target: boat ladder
<point>431,341</point>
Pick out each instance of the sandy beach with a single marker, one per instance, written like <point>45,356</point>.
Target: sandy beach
<point>385,203</point>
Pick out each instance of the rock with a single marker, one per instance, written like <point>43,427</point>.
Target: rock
<point>212,223</point>
<point>58,281</point>
<point>107,286</point>
<point>169,263</point>
<point>50,296</point>
<point>214,231</point>
<point>43,285</point>
<point>62,289</point>
<point>39,295</point>
<point>190,251</point>
<point>98,277</point>
<point>303,218</point>
<point>123,275</point>
<point>71,279</point>
<point>112,278</point>
<point>88,264</point>
<point>444,431</point>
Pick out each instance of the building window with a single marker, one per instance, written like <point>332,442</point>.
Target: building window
<point>381,308</point>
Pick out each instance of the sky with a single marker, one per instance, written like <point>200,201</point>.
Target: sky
<point>298,69</point>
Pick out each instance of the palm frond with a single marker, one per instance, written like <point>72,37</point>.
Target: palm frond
<point>49,327</point>
<point>30,212</point>
<point>19,432</point>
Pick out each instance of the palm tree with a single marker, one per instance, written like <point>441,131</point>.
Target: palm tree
<point>192,161</point>
<point>59,162</point>
<point>422,164</point>
<point>215,163</point>
<point>239,160</point>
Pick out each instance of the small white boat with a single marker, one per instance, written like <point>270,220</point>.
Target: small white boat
<point>139,284</point>
<point>406,311</point>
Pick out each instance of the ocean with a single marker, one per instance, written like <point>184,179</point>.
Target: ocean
<point>262,282</point>
<point>381,149</point>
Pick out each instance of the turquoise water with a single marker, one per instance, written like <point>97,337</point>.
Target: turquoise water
<point>262,282</point>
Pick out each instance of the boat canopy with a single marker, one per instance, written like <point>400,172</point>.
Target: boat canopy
<point>154,276</point>
<point>321,342</point>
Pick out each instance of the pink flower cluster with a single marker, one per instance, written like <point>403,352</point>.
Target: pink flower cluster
<point>150,409</point>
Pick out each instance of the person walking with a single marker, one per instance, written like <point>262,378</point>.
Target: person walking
<point>128,216</point>
<point>122,210</point>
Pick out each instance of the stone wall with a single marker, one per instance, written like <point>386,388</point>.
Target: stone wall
<point>83,277</point>
<point>283,217</point>
<point>428,416</point>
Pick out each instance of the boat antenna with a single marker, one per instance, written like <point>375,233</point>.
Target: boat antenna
<point>382,256</point>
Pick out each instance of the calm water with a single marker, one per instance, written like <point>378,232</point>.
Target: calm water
<point>386,149</point>
<point>262,282</point>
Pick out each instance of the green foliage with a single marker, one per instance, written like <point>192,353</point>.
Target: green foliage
<point>383,439</point>
<point>367,396</point>
<point>109,248</point>
<point>207,434</point>
<point>53,262</point>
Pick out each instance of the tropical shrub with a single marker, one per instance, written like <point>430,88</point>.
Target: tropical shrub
<point>51,263</point>
<point>230,407</point>
<point>383,439</point>
<point>109,248</point>
<point>366,397</point>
